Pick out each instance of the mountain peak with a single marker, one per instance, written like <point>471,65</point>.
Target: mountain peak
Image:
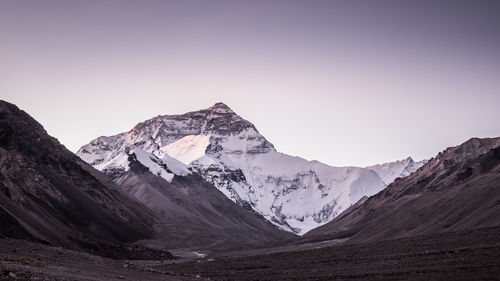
<point>388,172</point>
<point>221,107</point>
<point>468,150</point>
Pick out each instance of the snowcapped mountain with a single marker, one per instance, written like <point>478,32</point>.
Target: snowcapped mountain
<point>228,151</point>
<point>388,172</point>
<point>455,190</point>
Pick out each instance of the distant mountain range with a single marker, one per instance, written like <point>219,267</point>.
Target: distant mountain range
<point>228,151</point>
<point>459,189</point>
<point>389,172</point>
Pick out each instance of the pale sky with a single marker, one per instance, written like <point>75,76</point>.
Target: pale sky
<point>342,82</point>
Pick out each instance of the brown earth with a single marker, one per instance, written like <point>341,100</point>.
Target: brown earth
<point>23,260</point>
<point>464,255</point>
<point>51,195</point>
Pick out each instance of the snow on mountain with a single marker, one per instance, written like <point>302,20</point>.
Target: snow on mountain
<point>388,172</point>
<point>295,194</point>
<point>454,191</point>
<point>114,163</point>
<point>188,149</point>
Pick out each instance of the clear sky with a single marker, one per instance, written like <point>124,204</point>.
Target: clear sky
<point>343,82</point>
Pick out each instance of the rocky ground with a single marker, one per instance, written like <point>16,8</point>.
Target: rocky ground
<point>23,260</point>
<point>466,255</point>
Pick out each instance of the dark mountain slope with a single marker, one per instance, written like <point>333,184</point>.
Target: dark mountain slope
<point>55,196</point>
<point>458,189</point>
<point>50,194</point>
<point>196,214</point>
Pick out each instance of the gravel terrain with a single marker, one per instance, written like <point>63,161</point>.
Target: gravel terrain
<point>23,260</point>
<point>466,255</point>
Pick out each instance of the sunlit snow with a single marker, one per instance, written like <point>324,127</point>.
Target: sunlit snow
<point>188,149</point>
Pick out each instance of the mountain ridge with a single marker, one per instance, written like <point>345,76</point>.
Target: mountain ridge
<point>55,196</point>
<point>390,171</point>
<point>229,152</point>
<point>49,194</point>
<point>455,190</point>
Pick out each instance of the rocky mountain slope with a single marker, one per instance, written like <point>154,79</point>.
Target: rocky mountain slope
<point>47,193</point>
<point>194,214</point>
<point>456,190</point>
<point>226,150</point>
<point>388,172</point>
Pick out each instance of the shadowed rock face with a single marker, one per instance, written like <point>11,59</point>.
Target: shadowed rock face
<point>56,197</point>
<point>195,214</point>
<point>458,189</point>
<point>10,227</point>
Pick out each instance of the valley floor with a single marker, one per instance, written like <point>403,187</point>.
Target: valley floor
<point>466,255</point>
<point>22,260</point>
<point>469,255</point>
